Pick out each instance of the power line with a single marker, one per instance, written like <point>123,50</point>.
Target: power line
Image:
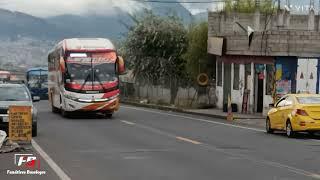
<point>179,2</point>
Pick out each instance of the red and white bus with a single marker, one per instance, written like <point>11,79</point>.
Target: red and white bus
<point>84,76</point>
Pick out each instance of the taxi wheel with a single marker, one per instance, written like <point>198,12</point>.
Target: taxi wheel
<point>311,133</point>
<point>268,126</point>
<point>34,131</point>
<point>289,132</point>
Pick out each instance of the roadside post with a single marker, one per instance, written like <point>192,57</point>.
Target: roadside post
<point>230,114</point>
<point>20,124</point>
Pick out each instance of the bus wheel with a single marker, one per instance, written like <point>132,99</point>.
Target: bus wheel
<point>54,109</point>
<point>64,113</point>
<point>108,115</point>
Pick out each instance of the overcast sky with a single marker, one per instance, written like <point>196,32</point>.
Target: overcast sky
<point>45,8</point>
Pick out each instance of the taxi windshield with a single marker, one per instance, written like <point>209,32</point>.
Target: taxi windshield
<point>14,94</point>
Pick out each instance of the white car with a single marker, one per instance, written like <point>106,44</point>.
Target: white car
<point>16,94</point>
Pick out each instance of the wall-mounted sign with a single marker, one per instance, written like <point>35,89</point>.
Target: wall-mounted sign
<point>283,87</point>
<point>278,71</point>
<point>215,45</point>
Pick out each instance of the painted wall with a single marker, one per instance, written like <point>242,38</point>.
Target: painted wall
<point>307,75</point>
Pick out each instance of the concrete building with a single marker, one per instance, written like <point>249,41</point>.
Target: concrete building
<point>283,57</point>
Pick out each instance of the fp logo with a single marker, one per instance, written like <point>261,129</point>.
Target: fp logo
<point>26,160</point>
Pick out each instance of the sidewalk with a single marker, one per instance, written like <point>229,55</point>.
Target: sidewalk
<point>243,119</point>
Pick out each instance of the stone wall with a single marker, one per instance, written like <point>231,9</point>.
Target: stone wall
<point>276,43</point>
<point>288,36</point>
<point>186,97</point>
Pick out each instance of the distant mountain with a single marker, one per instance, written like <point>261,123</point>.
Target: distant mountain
<point>91,26</point>
<point>164,9</point>
<point>112,26</point>
<point>200,17</point>
<point>17,24</point>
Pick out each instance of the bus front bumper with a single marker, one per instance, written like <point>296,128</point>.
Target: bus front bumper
<point>105,106</point>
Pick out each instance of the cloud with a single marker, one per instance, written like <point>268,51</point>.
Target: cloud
<point>196,8</point>
<point>45,8</point>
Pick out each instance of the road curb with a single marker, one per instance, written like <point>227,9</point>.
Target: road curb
<point>175,109</point>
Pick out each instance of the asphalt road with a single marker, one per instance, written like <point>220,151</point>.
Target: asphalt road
<point>146,144</point>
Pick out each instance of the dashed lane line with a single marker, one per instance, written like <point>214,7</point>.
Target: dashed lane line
<point>188,140</point>
<point>127,122</point>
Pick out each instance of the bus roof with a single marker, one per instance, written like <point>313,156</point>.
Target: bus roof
<point>88,44</point>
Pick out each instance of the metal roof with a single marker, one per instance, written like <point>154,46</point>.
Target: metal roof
<point>38,68</point>
<point>4,72</point>
<point>88,44</point>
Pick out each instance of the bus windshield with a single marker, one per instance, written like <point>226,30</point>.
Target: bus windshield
<point>78,73</point>
<point>37,79</point>
<point>83,73</point>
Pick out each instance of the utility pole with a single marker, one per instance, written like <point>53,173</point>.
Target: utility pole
<point>311,3</point>
<point>278,5</point>
<point>257,3</point>
<point>319,8</point>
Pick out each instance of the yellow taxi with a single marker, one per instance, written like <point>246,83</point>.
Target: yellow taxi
<point>295,113</point>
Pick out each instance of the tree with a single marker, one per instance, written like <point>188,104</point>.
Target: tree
<point>248,6</point>
<point>197,48</point>
<point>153,49</point>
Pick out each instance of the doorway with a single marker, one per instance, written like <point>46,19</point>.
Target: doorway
<point>258,87</point>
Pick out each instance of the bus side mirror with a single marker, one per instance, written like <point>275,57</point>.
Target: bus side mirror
<point>121,65</point>
<point>62,65</point>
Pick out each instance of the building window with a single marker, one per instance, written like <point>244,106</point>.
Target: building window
<point>219,83</point>
<point>269,79</point>
<point>236,75</point>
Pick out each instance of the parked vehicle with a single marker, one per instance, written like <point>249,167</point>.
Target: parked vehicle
<point>16,94</point>
<point>83,76</point>
<point>37,81</point>
<point>295,113</point>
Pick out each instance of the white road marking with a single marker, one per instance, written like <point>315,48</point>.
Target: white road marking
<point>62,175</point>
<point>188,140</point>
<point>198,119</point>
<point>127,122</point>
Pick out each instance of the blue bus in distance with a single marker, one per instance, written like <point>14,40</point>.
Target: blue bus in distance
<point>37,81</point>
